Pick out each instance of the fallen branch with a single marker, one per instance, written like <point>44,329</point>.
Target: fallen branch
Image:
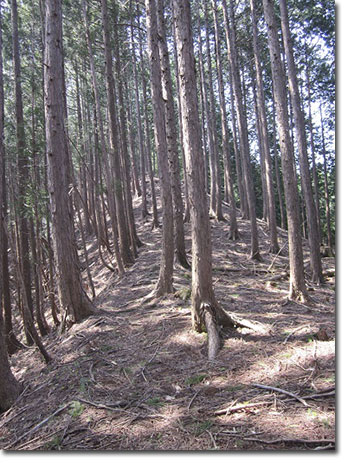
<point>294,331</point>
<point>277,254</point>
<point>232,409</point>
<point>193,398</point>
<point>316,395</point>
<point>282,391</point>
<point>103,406</point>
<point>291,440</point>
<point>39,425</point>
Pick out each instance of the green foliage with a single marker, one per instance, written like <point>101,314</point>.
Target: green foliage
<point>76,409</point>
<point>184,293</point>
<point>155,402</point>
<point>195,379</point>
<point>200,427</point>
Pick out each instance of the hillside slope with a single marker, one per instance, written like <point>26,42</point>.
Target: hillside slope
<point>136,377</point>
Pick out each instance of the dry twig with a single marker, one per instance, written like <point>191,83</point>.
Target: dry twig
<point>282,391</point>
<point>39,425</point>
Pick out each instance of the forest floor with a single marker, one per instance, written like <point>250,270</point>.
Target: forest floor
<point>136,376</point>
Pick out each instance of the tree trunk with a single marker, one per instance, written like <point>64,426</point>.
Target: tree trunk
<point>165,280</point>
<point>72,296</point>
<point>105,158</point>
<point>243,134</point>
<point>187,207</point>
<point>10,388</point>
<point>147,137</point>
<point>326,190</point>
<point>277,171</point>
<point>216,209</point>
<point>125,251</point>
<point>313,157</point>
<point>22,166</point>
<point>297,279</point>
<point>172,144</point>
<point>264,137</point>
<point>210,140</point>
<point>233,234</point>
<point>139,127</point>
<point>12,343</point>
<point>206,312</point>
<point>313,234</point>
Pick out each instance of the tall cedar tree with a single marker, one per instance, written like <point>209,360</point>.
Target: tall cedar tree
<point>73,299</point>
<point>311,213</point>
<point>206,312</point>
<point>297,279</point>
<point>165,280</point>
<point>9,386</point>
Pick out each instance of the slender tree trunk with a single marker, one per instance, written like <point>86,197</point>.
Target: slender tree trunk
<point>326,190</point>
<point>139,127</point>
<point>277,171</point>
<point>242,192</point>
<point>134,239</point>
<point>22,165</point>
<point>72,296</point>
<point>243,134</point>
<point>98,112</point>
<point>313,157</point>
<point>83,187</point>
<point>206,312</point>
<point>187,207</point>
<point>233,234</point>
<point>148,140</point>
<point>212,118</point>
<point>297,279</point>
<point>10,388</point>
<point>171,134</point>
<point>125,251</point>
<point>210,140</point>
<point>12,343</point>
<point>265,137</point>
<point>165,280</point>
<point>313,235</point>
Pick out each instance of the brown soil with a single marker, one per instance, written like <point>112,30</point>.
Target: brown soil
<point>135,376</point>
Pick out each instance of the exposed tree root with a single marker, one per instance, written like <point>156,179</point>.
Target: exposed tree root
<point>214,343</point>
<point>212,316</point>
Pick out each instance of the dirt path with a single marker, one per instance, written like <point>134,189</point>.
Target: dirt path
<point>136,377</point>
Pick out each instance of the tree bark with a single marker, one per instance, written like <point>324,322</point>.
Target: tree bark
<point>243,134</point>
<point>105,158</point>
<point>266,159</point>
<point>313,233</point>
<point>172,144</point>
<point>297,280</point>
<point>22,166</point>
<point>216,209</point>
<point>139,127</point>
<point>205,310</point>
<point>12,343</point>
<point>165,280</point>
<point>72,296</point>
<point>326,190</point>
<point>233,234</point>
<point>125,251</point>
<point>10,388</point>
